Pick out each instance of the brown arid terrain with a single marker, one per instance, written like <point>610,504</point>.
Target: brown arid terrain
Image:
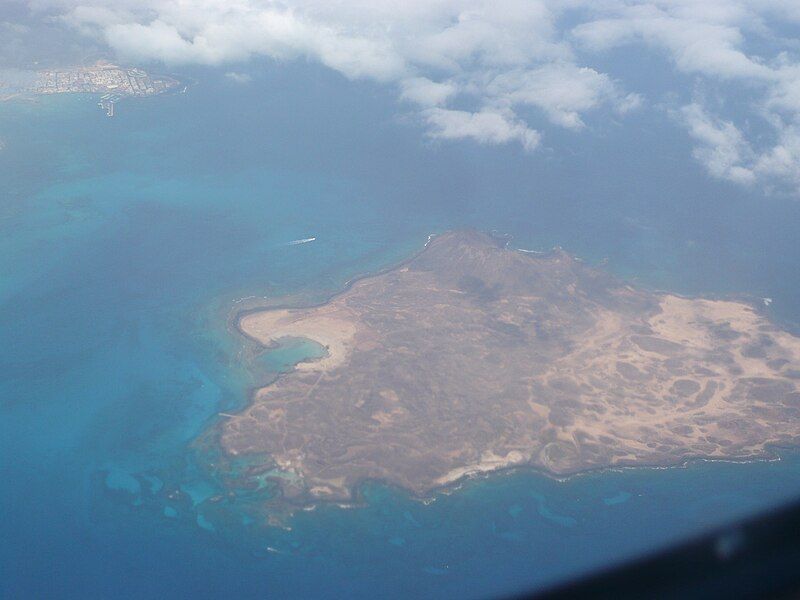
<point>472,357</point>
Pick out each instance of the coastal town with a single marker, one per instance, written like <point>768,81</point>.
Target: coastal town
<point>102,77</point>
<point>112,81</point>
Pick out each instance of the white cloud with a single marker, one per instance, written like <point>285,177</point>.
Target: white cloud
<point>486,126</point>
<point>507,57</point>
<point>97,16</point>
<point>241,78</point>
<point>444,54</point>
<point>722,148</point>
<point>695,44</point>
<point>425,92</point>
<point>708,41</point>
<point>563,91</point>
<point>782,161</point>
<point>726,154</point>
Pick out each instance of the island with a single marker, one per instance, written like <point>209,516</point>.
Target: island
<point>473,357</point>
<point>103,77</point>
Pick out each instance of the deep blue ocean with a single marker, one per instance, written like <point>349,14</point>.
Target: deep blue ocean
<point>126,243</point>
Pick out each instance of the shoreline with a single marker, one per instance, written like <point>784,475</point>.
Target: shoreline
<point>263,304</point>
<point>357,500</point>
<point>507,464</point>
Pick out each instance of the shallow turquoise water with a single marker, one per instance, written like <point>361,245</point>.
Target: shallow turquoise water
<point>127,242</point>
<point>288,353</point>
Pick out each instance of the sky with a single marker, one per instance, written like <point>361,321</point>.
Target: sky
<point>493,72</point>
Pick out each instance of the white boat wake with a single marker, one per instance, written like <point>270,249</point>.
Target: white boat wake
<point>303,241</point>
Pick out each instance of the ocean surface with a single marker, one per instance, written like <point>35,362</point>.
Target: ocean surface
<point>126,245</point>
